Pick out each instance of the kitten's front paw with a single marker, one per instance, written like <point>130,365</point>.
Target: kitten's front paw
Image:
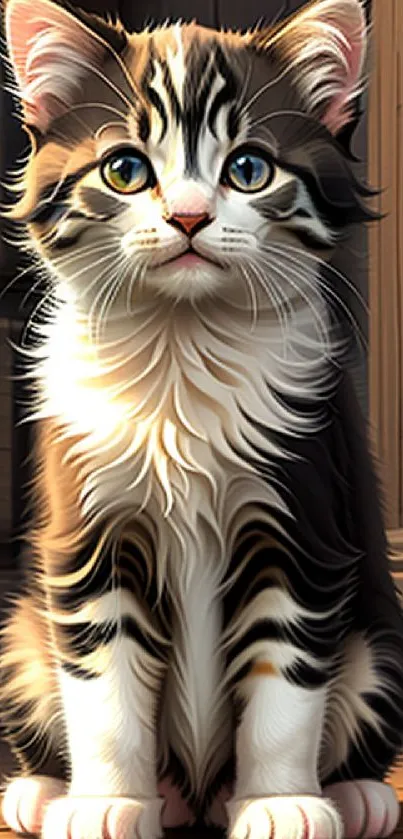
<point>25,801</point>
<point>284,817</point>
<point>369,808</point>
<point>102,818</point>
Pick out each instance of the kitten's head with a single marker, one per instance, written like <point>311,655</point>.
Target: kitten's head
<point>184,161</point>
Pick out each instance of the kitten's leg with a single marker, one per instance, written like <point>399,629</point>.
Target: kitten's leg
<point>108,653</point>
<point>103,752</point>
<point>277,791</point>
<point>278,657</point>
<point>362,744</point>
<point>28,687</point>
<point>111,665</point>
<point>364,725</point>
<point>108,694</point>
<point>29,715</point>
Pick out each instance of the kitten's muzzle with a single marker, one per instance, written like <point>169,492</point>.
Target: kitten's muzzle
<point>189,223</point>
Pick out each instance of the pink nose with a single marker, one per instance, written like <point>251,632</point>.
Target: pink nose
<point>189,223</point>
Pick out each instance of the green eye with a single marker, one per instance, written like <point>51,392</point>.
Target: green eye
<point>248,171</point>
<point>127,172</point>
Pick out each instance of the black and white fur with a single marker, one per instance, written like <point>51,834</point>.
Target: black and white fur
<point>226,614</point>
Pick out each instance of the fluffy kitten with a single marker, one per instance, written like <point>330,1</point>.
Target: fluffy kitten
<point>210,628</point>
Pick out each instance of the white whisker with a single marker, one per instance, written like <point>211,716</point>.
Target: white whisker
<point>110,291</point>
<point>103,106</point>
<point>137,277</point>
<point>275,295</point>
<point>86,250</point>
<point>107,81</point>
<point>329,267</point>
<point>286,273</point>
<point>251,293</point>
<point>334,299</point>
<point>93,320</point>
<point>261,90</point>
<point>283,112</point>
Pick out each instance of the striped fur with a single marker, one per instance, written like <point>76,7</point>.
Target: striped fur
<point>201,595</point>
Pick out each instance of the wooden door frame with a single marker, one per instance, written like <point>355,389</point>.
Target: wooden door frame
<point>385,242</point>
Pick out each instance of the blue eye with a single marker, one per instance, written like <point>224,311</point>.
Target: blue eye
<point>127,172</point>
<point>248,172</point>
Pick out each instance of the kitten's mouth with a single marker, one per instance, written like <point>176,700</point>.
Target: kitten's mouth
<point>190,258</point>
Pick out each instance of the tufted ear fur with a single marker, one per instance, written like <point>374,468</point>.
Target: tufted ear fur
<point>51,51</point>
<point>324,45</point>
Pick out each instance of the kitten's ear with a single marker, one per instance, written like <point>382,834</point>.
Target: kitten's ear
<point>325,45</point>
<point>51,50</point>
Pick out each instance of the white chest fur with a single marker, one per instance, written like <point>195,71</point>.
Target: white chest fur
<point>170,394</point>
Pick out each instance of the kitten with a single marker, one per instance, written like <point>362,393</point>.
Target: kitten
<point>204,633</point>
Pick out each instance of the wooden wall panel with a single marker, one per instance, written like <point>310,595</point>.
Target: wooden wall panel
<point>385,142</point>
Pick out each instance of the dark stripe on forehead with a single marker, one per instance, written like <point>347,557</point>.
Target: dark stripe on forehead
<point>195,112</point>
<point>198,86</point>
<point>233,122</point>
<point>228,91</point>
<point>152,97</point>
<point>169,86</point>
<point>143,125</point>
<point>159,106</point>
<point>205,61</point>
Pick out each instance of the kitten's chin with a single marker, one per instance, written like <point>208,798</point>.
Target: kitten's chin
<point>187,278</point>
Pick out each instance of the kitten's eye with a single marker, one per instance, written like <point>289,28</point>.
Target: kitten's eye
<point>127,172</point>
<point>248,172</point>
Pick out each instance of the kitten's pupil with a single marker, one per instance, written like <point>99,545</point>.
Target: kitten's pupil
<point>246,169</point>
<point>127,168</point>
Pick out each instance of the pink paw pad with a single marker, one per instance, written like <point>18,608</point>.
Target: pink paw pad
<point>25,801</point>
<point>369,809</point>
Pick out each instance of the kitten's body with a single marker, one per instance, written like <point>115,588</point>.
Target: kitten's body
<point>197,491</point>
<point>203,608</point>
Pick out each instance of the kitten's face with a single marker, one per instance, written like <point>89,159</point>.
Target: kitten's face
<point>184,162</point>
